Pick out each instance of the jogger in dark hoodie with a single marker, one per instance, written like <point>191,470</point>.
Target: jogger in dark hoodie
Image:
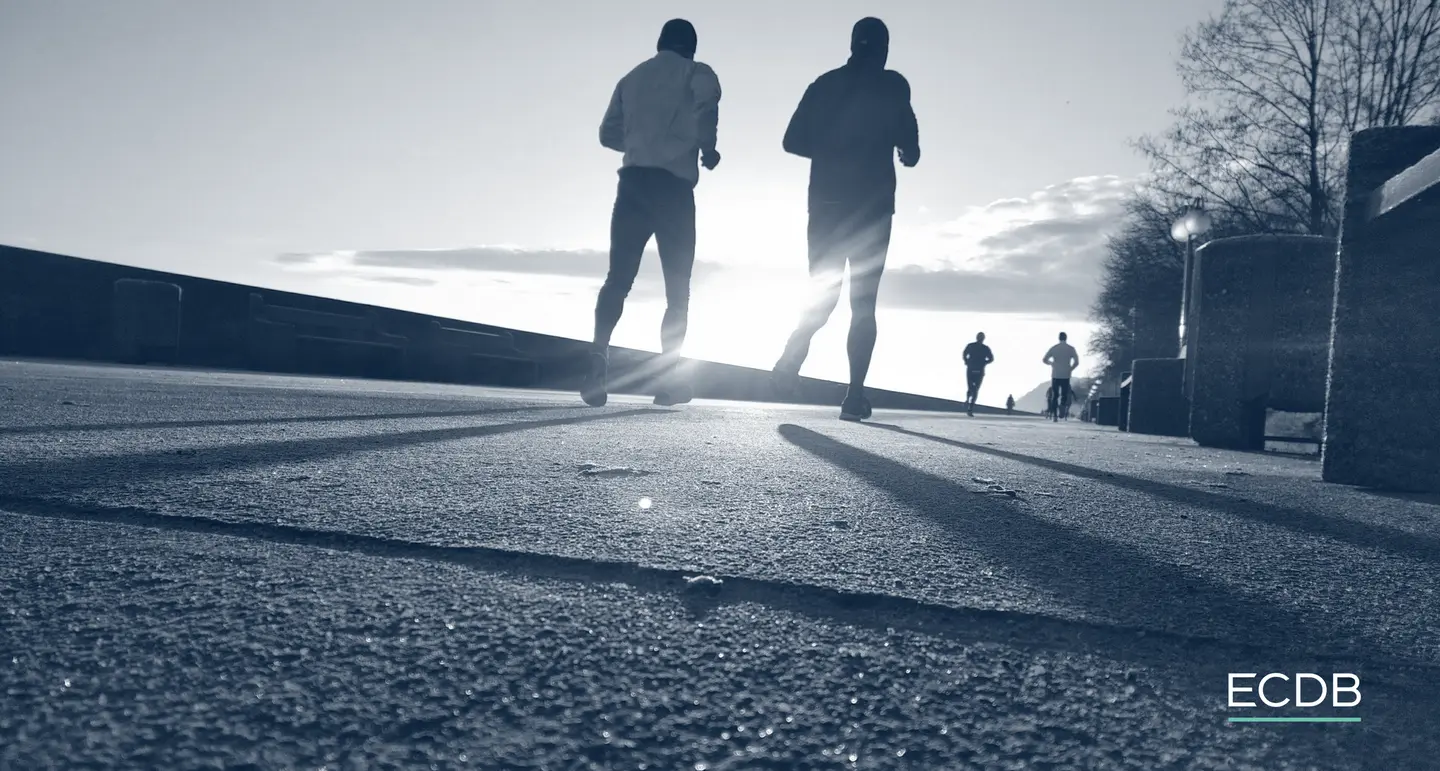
<point>850,124</point>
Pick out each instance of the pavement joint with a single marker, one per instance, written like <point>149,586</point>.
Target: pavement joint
<point>881,612</point>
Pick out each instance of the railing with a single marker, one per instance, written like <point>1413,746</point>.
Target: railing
<point>1404,187</point>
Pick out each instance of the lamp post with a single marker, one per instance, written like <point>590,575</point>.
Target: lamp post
<point>1134,332</point>
<point>1190,225</point>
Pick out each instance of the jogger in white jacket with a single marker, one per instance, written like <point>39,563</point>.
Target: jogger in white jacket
<point>663,115</point>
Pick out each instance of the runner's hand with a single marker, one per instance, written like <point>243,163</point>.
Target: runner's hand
<point>710,159</point>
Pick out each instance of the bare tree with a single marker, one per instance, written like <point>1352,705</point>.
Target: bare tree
<point>1138,308</point>
<point>1276,88</point>
<point>1387,67</point>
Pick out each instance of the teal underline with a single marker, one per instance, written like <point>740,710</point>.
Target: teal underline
<point>1294,719</point>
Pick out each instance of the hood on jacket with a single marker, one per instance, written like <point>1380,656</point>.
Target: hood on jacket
<point>678,35</point>
<point>870,43</point>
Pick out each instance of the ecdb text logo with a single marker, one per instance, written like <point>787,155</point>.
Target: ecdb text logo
<point>1304,690</point>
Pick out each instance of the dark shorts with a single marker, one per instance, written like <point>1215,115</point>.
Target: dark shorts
<point>653,203</point>
<point>1061,387</point>
<point>973,378</point>
<point>841,234</point>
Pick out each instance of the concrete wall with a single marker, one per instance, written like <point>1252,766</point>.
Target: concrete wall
<point>56,306</point>
<point>1260,336</point>
<point>1383,405</point>
<point>1157,397</point>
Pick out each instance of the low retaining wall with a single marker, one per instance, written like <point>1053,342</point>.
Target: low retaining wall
<point>1382,418</point>
<point>147,321</point>
<point>1261,334</point>
<point>57,306</point>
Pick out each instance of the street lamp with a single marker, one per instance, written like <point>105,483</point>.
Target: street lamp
<point>1134,332</point>
<point>1190,225</point>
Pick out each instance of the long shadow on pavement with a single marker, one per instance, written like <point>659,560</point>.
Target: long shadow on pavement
<point>829,605</point>
<point>1399,700</point>
<point>1399,542</point>
<point>1108,578</point>
<point>69,474</point>
<point>282,420</point>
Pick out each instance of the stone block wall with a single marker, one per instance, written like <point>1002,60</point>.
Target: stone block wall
<point>1382,410</point>
<point>1260,338</point>
<point>1157,397</point>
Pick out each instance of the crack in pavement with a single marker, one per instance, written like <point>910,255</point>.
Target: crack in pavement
<point>829,605</point>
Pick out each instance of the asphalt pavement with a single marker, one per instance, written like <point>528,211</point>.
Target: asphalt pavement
<point>229,570</point>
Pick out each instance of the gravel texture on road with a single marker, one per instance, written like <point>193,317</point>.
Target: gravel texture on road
<point>224,570</point>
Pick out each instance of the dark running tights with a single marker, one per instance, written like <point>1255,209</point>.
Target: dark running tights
<point>649,202</point>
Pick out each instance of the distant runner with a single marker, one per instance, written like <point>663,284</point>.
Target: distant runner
<point>976,356</point>
<point>1063,360</point>
<point>1010,403</point>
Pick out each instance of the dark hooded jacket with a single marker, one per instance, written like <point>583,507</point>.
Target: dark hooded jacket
<point>849,124</point>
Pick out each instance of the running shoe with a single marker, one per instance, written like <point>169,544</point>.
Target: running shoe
<point>593,390</point>
<point>855,407</point>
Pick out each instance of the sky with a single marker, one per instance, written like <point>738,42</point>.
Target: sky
<point>441,156</point>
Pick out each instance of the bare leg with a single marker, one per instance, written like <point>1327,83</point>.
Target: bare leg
<point>866,268</point>
<point>826,237</point>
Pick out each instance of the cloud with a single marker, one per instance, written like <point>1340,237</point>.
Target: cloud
<point>1035,255</point>
<point>428,267</point>
<point>575,263</point>
<point>1041,254</point>
<point>402,280</point>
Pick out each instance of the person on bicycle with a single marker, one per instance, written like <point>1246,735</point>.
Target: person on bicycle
<point>1063,360</point>
<point>976,356</point>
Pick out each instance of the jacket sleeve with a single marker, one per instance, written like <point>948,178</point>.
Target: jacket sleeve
<point>706,87</point>
<point>612,127</point>
<point>800,134</point>
<point>907,136</point>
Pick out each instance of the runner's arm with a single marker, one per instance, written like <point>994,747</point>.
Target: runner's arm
<point>800,134</point>
<point>706,86</point>
<point>907,140</point>
<point>612,127</point>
